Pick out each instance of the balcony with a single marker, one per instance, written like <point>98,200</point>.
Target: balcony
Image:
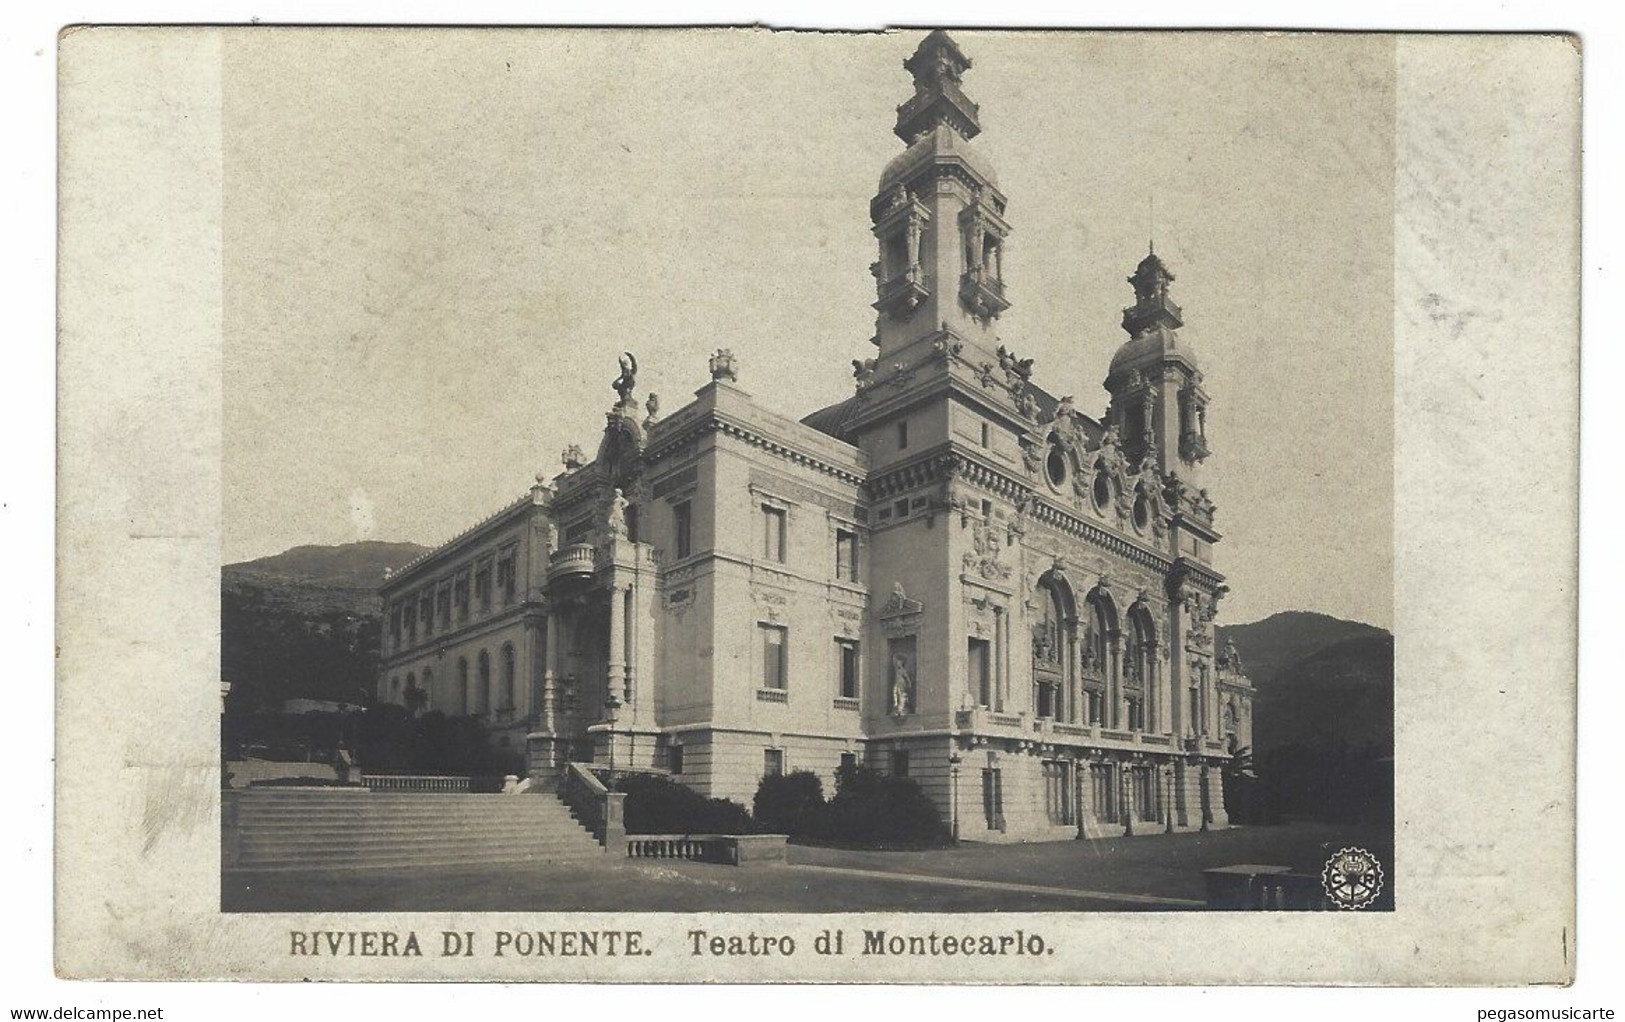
<point>574,561</point>
<point>901,294</point>
<point>983,292</point>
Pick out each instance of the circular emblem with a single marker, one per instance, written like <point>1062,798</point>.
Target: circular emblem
<point>1352,878</point>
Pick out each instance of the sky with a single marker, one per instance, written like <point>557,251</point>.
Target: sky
<point>438,242</point>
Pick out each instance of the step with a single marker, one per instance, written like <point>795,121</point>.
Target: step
<point>298,865</point>
<point>317,853</point>
<point>507,832</point>
<point>427,818</point>
<point>501,823</point>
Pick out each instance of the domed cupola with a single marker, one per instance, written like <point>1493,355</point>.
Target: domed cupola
<point>938,215</point>
<point>1158,404</point>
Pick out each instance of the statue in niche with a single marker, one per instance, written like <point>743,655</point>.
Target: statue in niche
<point>628,379</point>
<point>902,686</point>
<point>617,514</point>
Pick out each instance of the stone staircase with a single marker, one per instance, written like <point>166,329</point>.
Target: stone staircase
<point>301,829</point>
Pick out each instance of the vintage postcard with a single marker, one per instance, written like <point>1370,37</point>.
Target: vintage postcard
<point>741,505</point>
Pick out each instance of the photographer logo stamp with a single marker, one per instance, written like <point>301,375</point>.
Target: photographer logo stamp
<point>1352,878</point>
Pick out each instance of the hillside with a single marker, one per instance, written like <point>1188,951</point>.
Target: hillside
<point>1321,680</point>
<point>358,565</point>
<point>1323,719</point>
<point>305,623</point>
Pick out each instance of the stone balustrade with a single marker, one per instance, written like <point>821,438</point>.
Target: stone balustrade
<point>575,559</point>
<point>727,849</point>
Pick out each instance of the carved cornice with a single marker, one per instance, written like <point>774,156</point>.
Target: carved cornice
<point>716,423</point>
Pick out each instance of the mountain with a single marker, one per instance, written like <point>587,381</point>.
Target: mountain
<point>1323,718</point>
<point>358,565</point>
<point>1320,679</point>
<point>304,623</point>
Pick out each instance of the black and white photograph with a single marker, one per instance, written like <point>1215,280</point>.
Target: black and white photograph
<point>741,504</point>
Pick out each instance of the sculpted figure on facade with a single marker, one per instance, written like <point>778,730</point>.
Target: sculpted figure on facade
<point>863,371</point>
<point>902,686</point>
<point>723,366</point>
<point>617,514</point>
<point>628,379</point>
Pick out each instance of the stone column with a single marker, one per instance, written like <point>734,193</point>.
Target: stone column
<point>1217,817</point>
<point>630,618</point>
<point>550,671</point>
<point>1114,681</point>
<point>1074,677</point>
<point>1001,670</point>
<point>615,658</point>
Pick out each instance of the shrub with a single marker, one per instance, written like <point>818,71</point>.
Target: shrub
<point>300,782</point>
<point>658,805</point>
<point>878,810</point>
<point>789,803</point>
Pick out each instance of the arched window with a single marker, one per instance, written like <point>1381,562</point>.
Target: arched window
<point>462,686</point>
<point>507,678</point>
<point>1101,623</point>
<point>1049,649</point>
<point>482,691</point>
<point>1138,662</point>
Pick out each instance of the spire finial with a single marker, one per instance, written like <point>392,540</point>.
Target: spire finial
<point>1151,229</point>
<point>937,65</point>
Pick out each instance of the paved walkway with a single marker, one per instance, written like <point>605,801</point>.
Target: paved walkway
<point>995,885</point>
<point>1159,872</point>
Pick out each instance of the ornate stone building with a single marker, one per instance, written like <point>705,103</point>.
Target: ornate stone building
<point>952,574</point>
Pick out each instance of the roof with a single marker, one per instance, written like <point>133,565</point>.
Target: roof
<point>831,419</point>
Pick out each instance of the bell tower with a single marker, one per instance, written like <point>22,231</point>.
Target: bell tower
<point>938,216</point>
<point>1158,405</point>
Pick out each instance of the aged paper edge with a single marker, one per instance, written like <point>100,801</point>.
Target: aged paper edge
<point>1486,278</point>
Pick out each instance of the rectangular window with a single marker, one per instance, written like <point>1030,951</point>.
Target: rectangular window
<point>902,435</point>
<point>992,800</point>
<point>443,600</point>
<point>482,586</point>
<point>899,762</point>
<point>775,657</point>
<point>1095,701</point>
<point>772,762</point>
<point>411,620</point>
<point>849,762</point>
<point>1057,792</point>
<point>426,613</point>
<point>1103,792</point>
<point>900,508</point>
<point>508,577</point>
<point>979,680</point>
<point>395,626</point>
<point>1136,713</point>
<point>987,510</point>
<point>848,652</point>
<point>675,759</point>
<point>578,532</point>
<point>459,593</point>
<point>846,555</point>
<point>682,521</point>
<point>1143,793</point>
<point>773,533</point>
<point>987,435</point>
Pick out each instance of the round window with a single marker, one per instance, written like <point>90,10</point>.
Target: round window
<point>1055,467</point>
<point>1142,513</point>
<point>1102,491</point>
